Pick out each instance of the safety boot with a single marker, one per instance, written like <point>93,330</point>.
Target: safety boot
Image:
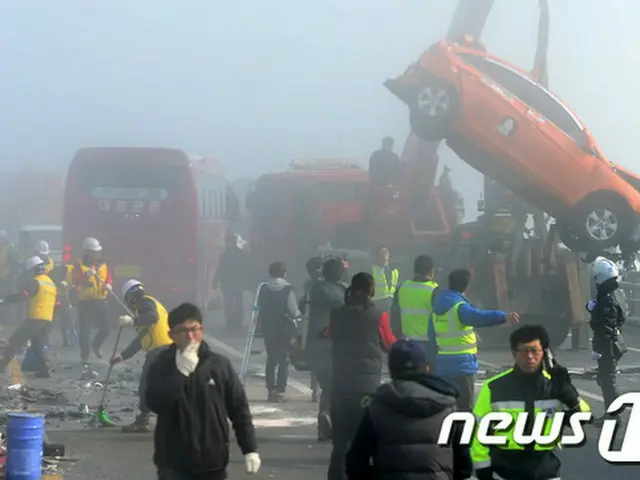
<point>140,425</point>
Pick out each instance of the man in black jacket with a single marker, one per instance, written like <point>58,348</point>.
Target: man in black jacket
<point>194,391</point>
<point>232,277</point>
<point>397,437</point>
<point>324,297</point>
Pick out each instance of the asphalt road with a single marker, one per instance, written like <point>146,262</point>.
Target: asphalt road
<point>286,432</point>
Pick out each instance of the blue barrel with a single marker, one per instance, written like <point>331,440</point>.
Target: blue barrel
<point>25,432</point>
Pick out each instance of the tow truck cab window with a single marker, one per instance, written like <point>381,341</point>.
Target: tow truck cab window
<point>530,92</point>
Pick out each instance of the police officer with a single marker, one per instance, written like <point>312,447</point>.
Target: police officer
<point>607,318</point>
<point>529,387</point>
<point>40,293</point>
<point>92,281</point>
<point>411,309</point>
<point>152,324</point>
<point>386,279</point>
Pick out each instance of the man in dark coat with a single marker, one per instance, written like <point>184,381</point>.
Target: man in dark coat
<point>324,297</point>
<point>232,278</point>
<point>398,434</point>
<point>384,164</point>
<point>195,391</point>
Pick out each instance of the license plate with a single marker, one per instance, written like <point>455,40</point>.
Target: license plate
<point>131,271</point>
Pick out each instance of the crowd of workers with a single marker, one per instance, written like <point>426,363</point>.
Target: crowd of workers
<point>427,332</point>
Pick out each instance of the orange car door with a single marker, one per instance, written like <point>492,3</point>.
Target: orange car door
<point>574,167</point>
<point>514,133</point>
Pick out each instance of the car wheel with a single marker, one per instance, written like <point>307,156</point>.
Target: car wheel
<point>602,223</point>
<point>435,110</point>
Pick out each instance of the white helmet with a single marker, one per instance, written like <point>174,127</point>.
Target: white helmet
<point>603,269</point>
<point>42,247</point>
<point>33,262</point>
<point>91,244</point>
<point>130,285</point>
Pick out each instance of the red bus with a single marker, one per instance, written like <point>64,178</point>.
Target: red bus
<point>160,214</point>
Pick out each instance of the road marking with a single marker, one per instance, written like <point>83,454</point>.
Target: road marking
<point>584,393</point>
<point>300,387</point>
<point>283,422</point>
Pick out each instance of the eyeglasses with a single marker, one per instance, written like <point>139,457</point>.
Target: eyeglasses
<point>186,331</point>
<point>529,351</point>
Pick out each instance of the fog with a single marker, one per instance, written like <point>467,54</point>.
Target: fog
<point>258,83</point>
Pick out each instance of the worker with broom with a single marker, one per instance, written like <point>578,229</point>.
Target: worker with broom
<point>40,293</point>
<point>151,322</point>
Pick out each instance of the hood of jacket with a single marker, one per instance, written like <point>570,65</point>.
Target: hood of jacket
<point>417,396</point>
<point>277,284</point>
<point>445,300</point>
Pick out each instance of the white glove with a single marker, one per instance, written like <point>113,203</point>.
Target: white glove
<point>125,320</point>
<point>591,305</point>
<point>64,284</point>
<point>109,287</point>
<point>92,272</point>
<point>252,462</point>
<point>187,360</point>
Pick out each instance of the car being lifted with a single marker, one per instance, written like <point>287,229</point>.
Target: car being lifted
<point>499,119</point>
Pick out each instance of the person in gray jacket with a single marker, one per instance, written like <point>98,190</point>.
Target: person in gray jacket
<point>277,313</point>
<point>325,296</point>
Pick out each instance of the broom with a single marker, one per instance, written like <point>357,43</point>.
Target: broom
<point>101,418</point>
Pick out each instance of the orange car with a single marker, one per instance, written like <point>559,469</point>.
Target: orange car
<point>499,120</point>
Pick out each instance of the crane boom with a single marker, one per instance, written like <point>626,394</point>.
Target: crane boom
<point>469,18</point>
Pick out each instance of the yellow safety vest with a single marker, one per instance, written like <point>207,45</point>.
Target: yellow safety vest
<point>507,398</point>
<point>5,264</point>
<point>414,300</point>
<point>48,265</point>
<point>452,337</point>
<point>97,290</point>
<point>42,306</point>
<point>156,335</point>
<point>383,290</point>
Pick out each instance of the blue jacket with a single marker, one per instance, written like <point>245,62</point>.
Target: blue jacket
<point>463,364</point>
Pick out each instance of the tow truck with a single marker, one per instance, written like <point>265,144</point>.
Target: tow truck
<point>330,201</point>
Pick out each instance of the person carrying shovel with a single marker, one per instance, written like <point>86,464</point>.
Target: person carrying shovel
<point>151,322</point>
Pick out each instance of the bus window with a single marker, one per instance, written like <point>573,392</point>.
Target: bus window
<point>131,190</point>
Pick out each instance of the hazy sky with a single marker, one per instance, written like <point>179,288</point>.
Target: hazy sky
<point>257,83</point>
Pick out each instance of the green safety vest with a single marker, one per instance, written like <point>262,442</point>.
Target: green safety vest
<point>414,300</point>
<point>509,400</point>
<point>452,337</point>
<point>383,290</point>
